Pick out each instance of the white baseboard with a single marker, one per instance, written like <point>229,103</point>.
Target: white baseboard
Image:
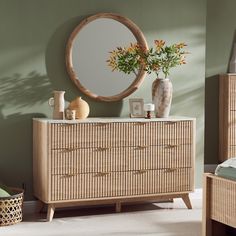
<point>197,194</point>
<point>209,168</point>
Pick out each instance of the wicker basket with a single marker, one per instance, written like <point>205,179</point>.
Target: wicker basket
<point>11,207</point>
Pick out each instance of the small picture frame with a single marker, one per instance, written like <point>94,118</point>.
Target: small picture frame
<point>136,107</point>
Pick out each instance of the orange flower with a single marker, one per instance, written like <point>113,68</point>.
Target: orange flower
<point>132,48</point>
<point>155,67</point>
<point>159,44</point>
<point>182,61</point>
<point>181,45</point>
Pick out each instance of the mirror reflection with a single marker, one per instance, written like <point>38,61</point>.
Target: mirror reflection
<point>90,51</point>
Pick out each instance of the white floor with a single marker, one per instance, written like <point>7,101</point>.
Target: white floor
<point>162,219</point>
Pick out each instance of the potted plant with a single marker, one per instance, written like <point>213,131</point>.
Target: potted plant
<point>159,60</point>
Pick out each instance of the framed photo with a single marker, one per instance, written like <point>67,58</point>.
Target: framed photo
<point>136,107</point>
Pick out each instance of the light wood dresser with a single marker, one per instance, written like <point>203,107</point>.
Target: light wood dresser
<point>227,116</point>
<point>112,160</point>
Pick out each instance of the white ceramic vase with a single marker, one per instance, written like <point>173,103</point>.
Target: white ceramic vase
<point>58,104</point>
<point>162,90</point>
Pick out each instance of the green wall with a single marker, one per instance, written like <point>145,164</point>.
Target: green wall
<point>33,36</point>
<point>220,34</point>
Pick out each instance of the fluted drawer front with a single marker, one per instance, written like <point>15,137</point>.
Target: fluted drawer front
<point>232,133</point>
<point>69,161</point>
<point>114,184</point>
<point>231,138</point>
<point>231,151</point>
<point>232,93</point>
<point>232,118</point>
<point>86,135</point>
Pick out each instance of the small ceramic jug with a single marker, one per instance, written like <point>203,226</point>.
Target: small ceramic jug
<point>58,104</point>
<point>81,107</point>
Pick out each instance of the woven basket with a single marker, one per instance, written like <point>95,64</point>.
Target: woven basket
<point>11,208</point>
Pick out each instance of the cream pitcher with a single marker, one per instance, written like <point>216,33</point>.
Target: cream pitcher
<point>58,104</point>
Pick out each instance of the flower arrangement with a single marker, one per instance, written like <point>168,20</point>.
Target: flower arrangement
<point>160,58</point>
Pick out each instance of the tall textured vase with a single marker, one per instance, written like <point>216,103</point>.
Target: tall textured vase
<point>232,63</point>
<point>162,90</point>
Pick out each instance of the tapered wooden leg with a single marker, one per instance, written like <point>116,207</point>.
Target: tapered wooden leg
<point>187,201</point>
<point>118,207</point>
<point>50,213</point>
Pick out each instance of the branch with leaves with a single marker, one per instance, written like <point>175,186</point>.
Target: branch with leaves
<point>160,58</point>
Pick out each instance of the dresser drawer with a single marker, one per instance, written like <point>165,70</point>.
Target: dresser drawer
<point>91,160</point>
<point>115,184</point>
<point>87,135</point>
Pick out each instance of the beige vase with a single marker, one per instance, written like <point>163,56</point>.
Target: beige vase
<point>81,107</point>
<point>162,90</point>
<point>58,104</point>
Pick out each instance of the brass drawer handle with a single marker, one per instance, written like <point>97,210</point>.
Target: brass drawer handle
<point>171,146</point>
<point>141,171</point>
<point>68,125</point>
<point>140,123</point>
<point>69,175</point>
<point>142,147</point>
<point>171,170</point>
<point>170,122</point>
<point>70,149</point>
<point>101,149</point>
<point>101,174</point>
<point>101,124</point>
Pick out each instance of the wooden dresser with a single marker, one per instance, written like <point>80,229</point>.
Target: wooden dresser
<point>112,160</point>
<point>227,116</point>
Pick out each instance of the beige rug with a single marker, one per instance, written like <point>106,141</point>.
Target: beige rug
<point>163,219</point>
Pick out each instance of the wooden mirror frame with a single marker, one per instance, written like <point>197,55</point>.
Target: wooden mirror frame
<point>69,64</point>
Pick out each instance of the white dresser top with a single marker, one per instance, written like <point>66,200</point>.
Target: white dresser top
<point>114,119</point>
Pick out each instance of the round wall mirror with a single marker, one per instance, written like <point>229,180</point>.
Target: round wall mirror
<point>87,52</point>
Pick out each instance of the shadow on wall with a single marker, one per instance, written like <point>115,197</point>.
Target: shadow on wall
<point>56,70</point>
<point>211,120</point>
<point>183,101</point>
<point>27,91</point>
<point>16,129</point>
<point>16,149</point>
